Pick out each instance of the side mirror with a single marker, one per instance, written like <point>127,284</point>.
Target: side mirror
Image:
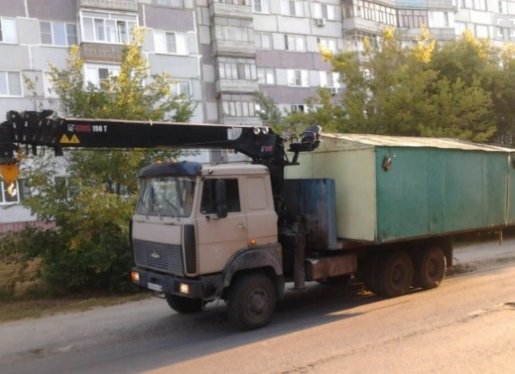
<point>221,199</point>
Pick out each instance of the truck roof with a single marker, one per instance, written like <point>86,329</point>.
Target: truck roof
<point>191,168</point>
<point>353,141</point>
<point>233,169</point>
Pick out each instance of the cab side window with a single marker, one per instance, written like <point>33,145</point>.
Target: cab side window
<point>232,195</point>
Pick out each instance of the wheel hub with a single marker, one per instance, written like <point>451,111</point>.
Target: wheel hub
<point>257,302</point>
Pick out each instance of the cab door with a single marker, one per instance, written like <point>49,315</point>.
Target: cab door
<point>219,238</point>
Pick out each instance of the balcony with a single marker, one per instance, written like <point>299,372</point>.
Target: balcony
<point>125,5</point>
<point>102,53</point>
<point>237,86</point>
<point>234,47</point>
<point>438,33</point>
<point>443,33</point>
<point>230,10</point>
<point>361,24</point>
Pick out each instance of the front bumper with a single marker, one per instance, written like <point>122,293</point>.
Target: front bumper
<point>205,288</point>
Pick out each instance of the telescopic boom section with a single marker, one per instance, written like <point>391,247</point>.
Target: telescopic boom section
<point>34,129</point>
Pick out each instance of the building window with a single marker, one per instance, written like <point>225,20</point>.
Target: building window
<point>107,27</point>
<point>9,194</point>
<point>171,42</point>
<point>98,74</point>
<point>411,18</point>
<point>237,69</point>
<point>293,8</point>
<point>233,2</point>
<point>58,33</point>
<point>238,106</point>
<point>297,108</point>
<point>329,79</point>
<point>266,76</point>
<point>298,78</point>
<point>261,6</point>
<point>481,31</point>
<point>10,83</point>
<point>324,11</point>
<point>295,43</point>
<point>233,33</point>
<point>170,3</point>
<point>181,88</point>
<point>502,33</point>
<point>8,30</point>
<point>439,19</point>
<point>48,86</point>
<point>377,13</point>
<point>327,44</point>
<point>480,4</point>
<point>501,6</point>
<point>263,40</point>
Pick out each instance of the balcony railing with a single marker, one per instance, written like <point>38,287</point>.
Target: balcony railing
<point>361,24</point>
<point>230,10</point>
<point>126,5</point>
<point>230,85</point>
<point>99,52</point>
<point>234,47</point>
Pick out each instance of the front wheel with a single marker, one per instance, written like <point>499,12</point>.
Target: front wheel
<point>184,305</point>
<point>252,300</point>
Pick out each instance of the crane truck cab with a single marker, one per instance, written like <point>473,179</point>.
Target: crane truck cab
<point>199,229</point>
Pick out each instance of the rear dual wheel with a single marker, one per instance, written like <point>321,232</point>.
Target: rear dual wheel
<point>394,274</point>
<point>430,268</point>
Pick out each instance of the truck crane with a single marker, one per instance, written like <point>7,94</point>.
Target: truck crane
<point>381,209</point>
<point>229,247</point>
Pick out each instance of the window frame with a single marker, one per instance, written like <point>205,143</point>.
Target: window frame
<point>8,85</point>
<point>259,36</point>
<point>295,74</point>
<point>264,5</point>
<point>107,31</point>
<point>292,8</point>
<point>232,186</point>
<point>14,31</point>
<point>112,70</point>
<point>66,30</point>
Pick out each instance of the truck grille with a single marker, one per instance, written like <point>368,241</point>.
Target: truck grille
<point>158,256</point>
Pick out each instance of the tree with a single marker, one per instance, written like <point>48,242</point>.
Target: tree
<point>92,206</point>
<point>397,90</point>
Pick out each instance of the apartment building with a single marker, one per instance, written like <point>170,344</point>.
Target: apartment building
<point>219,52</point>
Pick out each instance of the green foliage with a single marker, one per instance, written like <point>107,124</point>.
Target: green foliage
<point>92,206</point>
<point>460,89</point>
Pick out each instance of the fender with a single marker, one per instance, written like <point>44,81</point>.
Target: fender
<point>269,255</point>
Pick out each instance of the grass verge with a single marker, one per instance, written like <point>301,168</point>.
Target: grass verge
<point>16,310</point>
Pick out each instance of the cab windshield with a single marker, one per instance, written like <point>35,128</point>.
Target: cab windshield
<point>166,196</point>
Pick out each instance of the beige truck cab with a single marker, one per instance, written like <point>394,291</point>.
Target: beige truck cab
<point>200,231</point>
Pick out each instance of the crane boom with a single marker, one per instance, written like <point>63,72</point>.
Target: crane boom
<point>34,129</point>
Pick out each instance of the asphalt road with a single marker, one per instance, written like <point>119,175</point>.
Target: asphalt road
<point>465,326</point>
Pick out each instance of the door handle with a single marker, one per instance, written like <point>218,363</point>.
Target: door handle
<point>242,226</point>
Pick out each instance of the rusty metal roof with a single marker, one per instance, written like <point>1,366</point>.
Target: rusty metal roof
<point>362,140</point>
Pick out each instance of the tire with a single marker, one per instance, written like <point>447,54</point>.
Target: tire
<point>430,268</point>
<point>395,274</point>
<point>184,305</point>
<point>252,300</point>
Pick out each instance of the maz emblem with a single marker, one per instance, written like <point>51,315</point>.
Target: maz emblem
<point>155,255</point>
